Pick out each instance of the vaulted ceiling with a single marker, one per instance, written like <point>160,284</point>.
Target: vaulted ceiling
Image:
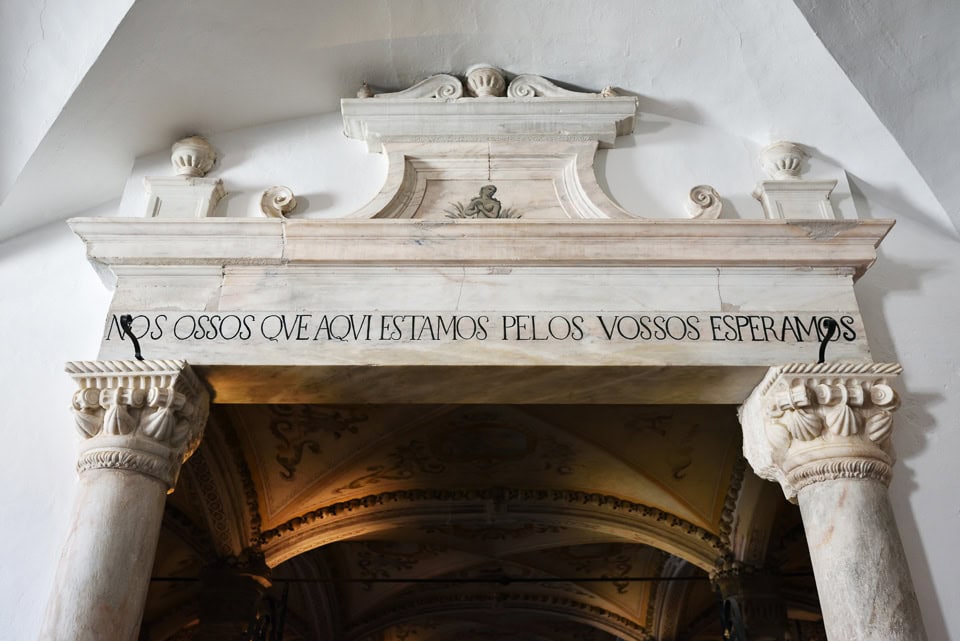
<point>475,522</point>
<point>870,86</point>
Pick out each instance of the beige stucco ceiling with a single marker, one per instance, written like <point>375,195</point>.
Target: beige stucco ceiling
<point>472,522</point>
<point>757,70</point>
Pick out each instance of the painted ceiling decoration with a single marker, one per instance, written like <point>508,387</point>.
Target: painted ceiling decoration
<point>411,522</point>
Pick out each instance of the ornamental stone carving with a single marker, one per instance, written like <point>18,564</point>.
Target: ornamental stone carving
<point>704,203</point>
<point>807,423</point>
<point>193,156</point>
<point>782,160</point>
<point>481,81</point>
<point>142,416</point>
<point>441,86</point>
<point>485,81</point>
<point>278,201</point>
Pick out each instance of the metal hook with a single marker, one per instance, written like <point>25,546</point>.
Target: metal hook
<point>831,328</point>
<point>126,324</point>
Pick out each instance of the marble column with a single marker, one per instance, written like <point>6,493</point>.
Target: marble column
<point>140,420</point>
<point>823,432</point>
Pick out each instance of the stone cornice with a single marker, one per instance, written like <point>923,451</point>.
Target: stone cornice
<point>140,416</point>
<point>487,107</point>
<point>806,423</point>
<point>546,119</point>
<point>849,245</point>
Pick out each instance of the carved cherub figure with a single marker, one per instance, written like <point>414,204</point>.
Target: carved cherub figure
<point>484,205</point>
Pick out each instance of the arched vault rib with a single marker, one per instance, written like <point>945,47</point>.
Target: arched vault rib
<point>466,604</point>
<point>602,514</point>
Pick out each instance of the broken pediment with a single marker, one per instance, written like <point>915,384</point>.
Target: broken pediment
<point>489,149</point>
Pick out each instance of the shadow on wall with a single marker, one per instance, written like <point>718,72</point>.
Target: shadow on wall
<point>886,280</point>
<point>314,203</point>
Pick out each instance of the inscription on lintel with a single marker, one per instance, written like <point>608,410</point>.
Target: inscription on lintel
<point>456,329</point>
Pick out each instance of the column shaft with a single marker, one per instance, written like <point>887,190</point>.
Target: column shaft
<point>822,430</point>
<point>862,576</point>
<point>104,572</point>
<point>140,420</point>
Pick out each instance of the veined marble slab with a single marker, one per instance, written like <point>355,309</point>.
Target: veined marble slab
<point>468,334</point>
<point>598,308</point>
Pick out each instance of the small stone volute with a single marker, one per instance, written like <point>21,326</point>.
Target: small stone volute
<point>704,203</point>
<point>278,201</point>
<point>193,156</point>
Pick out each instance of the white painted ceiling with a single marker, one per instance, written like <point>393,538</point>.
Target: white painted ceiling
<point>872,92</point>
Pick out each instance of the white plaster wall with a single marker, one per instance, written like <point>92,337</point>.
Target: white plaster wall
<point>52,306</point>
<point>46,48</point>
<point>910,306</point>
<point>649,173</point>
<point>330,174</point>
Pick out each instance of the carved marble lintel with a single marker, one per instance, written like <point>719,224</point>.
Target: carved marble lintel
<point>807,423</point>
<point>141,416</point>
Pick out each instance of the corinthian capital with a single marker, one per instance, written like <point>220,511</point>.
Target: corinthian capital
<point>807,423</point>
<point>142,416</point>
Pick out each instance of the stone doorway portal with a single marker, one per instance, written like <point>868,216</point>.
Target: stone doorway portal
<point>416,522</point>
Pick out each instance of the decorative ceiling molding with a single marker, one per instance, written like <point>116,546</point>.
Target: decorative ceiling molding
<point>462,603</point>
<point>223,482</point>
<point>617,518</point>
<point>664,616</point>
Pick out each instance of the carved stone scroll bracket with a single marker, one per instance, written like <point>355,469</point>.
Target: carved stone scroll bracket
<point>807,423</point>
<point>704,202</point>
<point>530,85</point>
<point>143,416</point>
<point>278,201</point>
<point>441,86</point>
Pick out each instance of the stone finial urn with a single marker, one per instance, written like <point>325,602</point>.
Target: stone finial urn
<point>782,160</point>
<point>485,81</point>
<point>192,156</point>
